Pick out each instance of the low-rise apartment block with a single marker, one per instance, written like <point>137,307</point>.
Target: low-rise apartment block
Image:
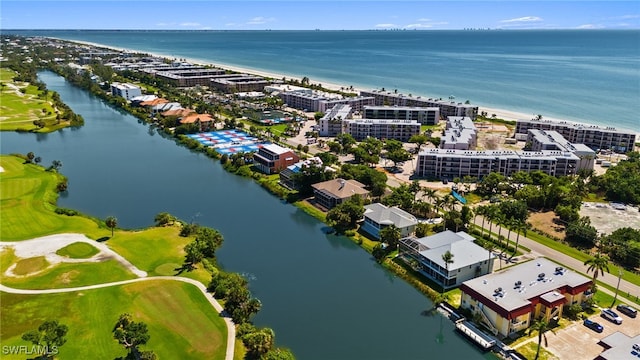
<point>322,102</point>
<point>509,301</point>
<point>541,140</point>
<point>272,158</point>
<point>125,90</point>
<point>401,130</point>
<point>239,83</point>
<point>190,77</point>
<point>595,137</point>
<point>448,164</point>
<point>332,123</point>
<point>447,108</point>
<point>425,116</point>
<point>460,133</point>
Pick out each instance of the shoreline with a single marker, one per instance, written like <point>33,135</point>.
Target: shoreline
<point>509,115</point>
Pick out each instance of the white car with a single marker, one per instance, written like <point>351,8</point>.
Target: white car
<point>611,316</point>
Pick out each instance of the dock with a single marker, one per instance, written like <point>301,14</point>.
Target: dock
<point>483,340</point>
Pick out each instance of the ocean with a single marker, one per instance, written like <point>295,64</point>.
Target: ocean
<point>588,76</point>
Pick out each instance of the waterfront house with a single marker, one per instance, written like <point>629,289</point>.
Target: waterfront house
<point>287,175</point>
<point>330,193</point>
<point>469,259</point>
<point>272,158</point>
<point>205,121</point>
<point>378,217</point>
<point>511,300</point>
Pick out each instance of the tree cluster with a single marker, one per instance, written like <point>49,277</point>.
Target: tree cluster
<point>204,246</point>
<point>621,182</point>
<point>623,246</point>
<point>345,216</point>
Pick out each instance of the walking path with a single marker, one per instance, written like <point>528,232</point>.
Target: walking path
<point>538,249</point>
<point>231,330</point>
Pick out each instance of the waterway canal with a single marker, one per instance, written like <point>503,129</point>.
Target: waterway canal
<point>323,295</point>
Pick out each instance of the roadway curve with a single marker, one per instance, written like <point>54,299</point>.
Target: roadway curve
<point>231,330</point>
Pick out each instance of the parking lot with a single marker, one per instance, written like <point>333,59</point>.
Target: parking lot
<point>579,342</point>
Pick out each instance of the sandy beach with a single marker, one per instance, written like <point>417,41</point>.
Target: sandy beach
<point>500,113</point>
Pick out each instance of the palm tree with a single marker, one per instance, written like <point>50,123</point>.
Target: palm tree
<point>541,326</point>
<point>111,223</point>
<point>521,225</point>
<point>447,257</point>
<point>482,211</point>
<point>598,263</point>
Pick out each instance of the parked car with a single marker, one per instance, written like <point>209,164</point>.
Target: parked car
<point>593,325</point>
<point>611,316</point>
<point>636,347</point>
<point>627,310</point>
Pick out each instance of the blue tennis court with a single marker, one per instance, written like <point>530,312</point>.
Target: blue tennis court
<point>228,141</point>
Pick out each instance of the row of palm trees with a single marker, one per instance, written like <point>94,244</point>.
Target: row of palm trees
<point>493,215</point>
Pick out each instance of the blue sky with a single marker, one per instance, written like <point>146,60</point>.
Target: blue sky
<point>310,14</point>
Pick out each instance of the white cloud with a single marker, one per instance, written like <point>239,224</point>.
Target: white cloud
<point>627,17</point>
<point>190,24</point>
<point>418,26</point>
<point>589,26</point>
<point>386,26</point>
<point>260,20</point>
<point>165,24</point>
<point>526,19</point>
<point>423,20</point>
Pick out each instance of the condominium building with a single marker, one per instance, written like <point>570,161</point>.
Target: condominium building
<point>125,90</point>
<point>331,124</point>
<point>541,140</point>
<point>595,137</point>
<point>509,301</point>
<point>190,77</point>
<point>322,102</point>
<point>460,133</point>
<point>401,130</point>
<point>447,108</point>
<point>272,158</point>
<point>448,163</point>
<point>239,83</point>
<point>425,116</point>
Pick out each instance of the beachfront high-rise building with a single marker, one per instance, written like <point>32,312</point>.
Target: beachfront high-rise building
<point>595,137</point>
<point>425,116</point>
<point>126,90</point>
<point>447,108</point>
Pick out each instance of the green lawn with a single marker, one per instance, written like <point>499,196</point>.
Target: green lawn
<point>181,322</point>
<point>27,204</point>
<point>158,251</point>
<point>78,250</point>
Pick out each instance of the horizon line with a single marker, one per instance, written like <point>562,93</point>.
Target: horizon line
<point>373,29</point>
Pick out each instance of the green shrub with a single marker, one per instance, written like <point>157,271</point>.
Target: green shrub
<point>68,212</point>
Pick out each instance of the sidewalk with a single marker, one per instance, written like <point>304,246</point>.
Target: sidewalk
<point>538,249</point>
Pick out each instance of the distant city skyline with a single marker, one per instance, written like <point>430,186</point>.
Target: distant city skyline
<point>313,14</point>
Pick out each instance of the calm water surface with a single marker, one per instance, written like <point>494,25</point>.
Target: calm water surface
<point>324,296</point>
